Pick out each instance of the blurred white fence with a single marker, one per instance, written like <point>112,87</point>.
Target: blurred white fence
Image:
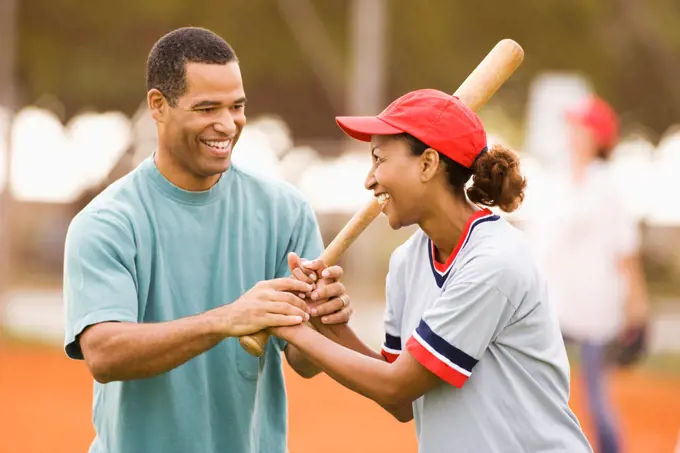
<point>55,163</point>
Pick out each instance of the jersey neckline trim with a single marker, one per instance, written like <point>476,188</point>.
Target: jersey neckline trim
<point>441,270</point>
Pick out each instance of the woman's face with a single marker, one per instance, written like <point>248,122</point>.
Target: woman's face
<point>398,173</point>
<point>582,141</point>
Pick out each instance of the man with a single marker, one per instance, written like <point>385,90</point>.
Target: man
<point>170,264</point>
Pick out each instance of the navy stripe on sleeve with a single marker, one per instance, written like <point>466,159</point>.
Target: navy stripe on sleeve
<point>442,347</point>
<point>393,342</point>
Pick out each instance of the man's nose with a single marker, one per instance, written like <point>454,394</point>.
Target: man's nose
<point>226,124</point>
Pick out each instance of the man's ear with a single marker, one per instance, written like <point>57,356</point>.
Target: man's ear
<point>158,105</point>
<point>429,164</point>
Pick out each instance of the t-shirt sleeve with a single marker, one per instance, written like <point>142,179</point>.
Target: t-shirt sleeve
<point>454,332</point>
<point>305,241</point>
<point>394,292</point>
<point>98,275</point>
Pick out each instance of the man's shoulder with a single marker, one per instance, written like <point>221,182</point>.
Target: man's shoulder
<point>271,188</point>
<point>114,206</point>
<point>121,191</point>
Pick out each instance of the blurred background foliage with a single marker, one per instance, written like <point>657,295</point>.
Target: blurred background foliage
<point>627,47</point>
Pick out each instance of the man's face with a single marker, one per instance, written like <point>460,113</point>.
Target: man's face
<point>201,130</point>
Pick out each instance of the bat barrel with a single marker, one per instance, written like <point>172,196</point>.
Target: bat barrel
<point>490,74</point>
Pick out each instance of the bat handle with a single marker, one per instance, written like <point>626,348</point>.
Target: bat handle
<point>254,344</point>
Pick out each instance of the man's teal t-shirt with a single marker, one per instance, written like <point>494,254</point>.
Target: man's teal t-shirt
<point>147,251</point>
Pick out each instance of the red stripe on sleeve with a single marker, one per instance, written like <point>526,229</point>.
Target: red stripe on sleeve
<point>432,363</point>
<point>389,356</point>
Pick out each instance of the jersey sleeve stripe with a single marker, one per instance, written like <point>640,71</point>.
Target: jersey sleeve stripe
<point>438,365</point>
<point>444,349</point>
<point>393,342</point>
<point>391,348</point>
<point>390,357</point>
<point>391,351</point>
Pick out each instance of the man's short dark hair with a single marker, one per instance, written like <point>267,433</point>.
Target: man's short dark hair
<point>166,65</point>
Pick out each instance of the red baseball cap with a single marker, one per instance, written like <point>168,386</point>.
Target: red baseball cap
<point>597,115</point>
<point>439,120</point>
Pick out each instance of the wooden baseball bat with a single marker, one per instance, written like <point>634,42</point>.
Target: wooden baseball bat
<point>489,75</point>
<point>255,343</point>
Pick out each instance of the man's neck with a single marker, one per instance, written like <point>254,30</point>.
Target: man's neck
<point>445,223</point>
<point>180,176</point>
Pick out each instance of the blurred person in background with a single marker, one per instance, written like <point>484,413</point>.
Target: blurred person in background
<point>589,248</point>
<point>169,265</point>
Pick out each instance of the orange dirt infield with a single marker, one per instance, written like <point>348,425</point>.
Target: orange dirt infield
<point>45,403</point>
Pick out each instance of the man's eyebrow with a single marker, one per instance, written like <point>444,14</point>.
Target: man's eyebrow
<point>205,104</point>
<point>209,103</point>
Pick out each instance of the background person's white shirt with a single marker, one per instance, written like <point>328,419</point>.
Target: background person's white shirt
<point>580,233</point>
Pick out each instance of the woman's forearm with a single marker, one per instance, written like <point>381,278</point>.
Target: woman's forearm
<point>344,335</point>
<point>368,376</point>
<point>339,333</point>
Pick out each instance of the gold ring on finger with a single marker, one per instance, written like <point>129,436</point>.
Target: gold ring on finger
<point>345,299</point>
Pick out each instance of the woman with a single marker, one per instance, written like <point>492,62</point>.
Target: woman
<point>588,246</point>
<point>473,350</point>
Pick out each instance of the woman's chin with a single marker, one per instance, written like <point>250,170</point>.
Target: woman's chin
<point>394,222</point>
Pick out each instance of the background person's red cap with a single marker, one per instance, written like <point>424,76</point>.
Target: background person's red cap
<point>597,115</point>
<point>439,120</point>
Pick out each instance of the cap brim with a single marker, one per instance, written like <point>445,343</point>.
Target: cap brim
<point>363,127</point>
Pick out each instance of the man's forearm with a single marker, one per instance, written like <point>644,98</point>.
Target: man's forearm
<point>116,351</point>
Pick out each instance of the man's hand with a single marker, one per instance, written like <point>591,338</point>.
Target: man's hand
<point>329,302</point>
<point>269,303</point>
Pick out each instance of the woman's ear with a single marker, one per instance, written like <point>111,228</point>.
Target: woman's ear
<point>429,164</point>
